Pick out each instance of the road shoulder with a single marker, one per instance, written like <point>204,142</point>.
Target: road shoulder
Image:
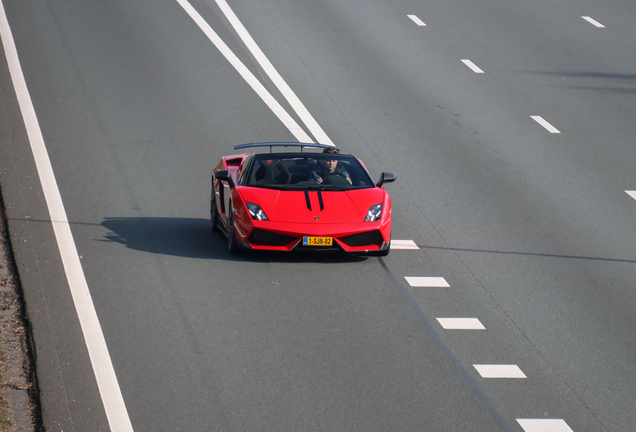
<point>18,383</point>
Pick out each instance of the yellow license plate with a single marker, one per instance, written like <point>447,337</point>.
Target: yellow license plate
<point>317,241</point>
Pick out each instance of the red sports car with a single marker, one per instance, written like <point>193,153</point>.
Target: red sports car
<point>300,201</point>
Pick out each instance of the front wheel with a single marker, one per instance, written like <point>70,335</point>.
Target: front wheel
<point>214,217</point>
<point>232,246</point>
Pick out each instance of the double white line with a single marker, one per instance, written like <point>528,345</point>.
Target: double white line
<point>267,67</point>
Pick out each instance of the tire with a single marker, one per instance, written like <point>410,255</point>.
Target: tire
<point>214,217</point>
<point>232,246</point>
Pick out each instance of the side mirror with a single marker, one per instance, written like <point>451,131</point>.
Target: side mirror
<point>224,175</point>
<point>385,177</point>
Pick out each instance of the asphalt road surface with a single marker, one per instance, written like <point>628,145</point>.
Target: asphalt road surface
<point>510,127</point>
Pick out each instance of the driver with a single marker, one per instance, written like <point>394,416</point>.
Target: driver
<point>329,167</point>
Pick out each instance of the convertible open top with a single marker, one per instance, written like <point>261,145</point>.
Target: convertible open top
<point>300,200</point>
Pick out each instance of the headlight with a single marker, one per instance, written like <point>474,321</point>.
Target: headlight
<point>256,211</point>
<point>374,213</point>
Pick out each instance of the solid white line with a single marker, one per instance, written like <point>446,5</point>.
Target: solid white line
<point>545,124</point>
<point>273,74</point>
<point>499,371</point>
<point>432,282</point>
<point>248,76</point>
<point>461,324</point>
<point>403,244</point>
<point>544,425</point>
<point>631,193</point>
<point>472,65</point>
<point>109,390</point>
<point>593,21</point>
<point>417,21</point>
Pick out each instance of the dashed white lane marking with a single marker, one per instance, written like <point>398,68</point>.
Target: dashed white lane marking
<point>472,66</point>
<point>631,193</point>
<point>499,371</point>
<point>403,244</point>
<point>433,282</point>
<point>544,425</point>
<point>593,21</point>
<point>461,324</point>
<point>417,21</point>
<point>107,383</point>
<point>545,124</point>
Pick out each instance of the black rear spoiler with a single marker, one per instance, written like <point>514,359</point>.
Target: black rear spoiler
<point>284,144</point>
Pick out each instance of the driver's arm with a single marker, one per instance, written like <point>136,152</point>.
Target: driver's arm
<point>346,175</point>
<point>316,176</point>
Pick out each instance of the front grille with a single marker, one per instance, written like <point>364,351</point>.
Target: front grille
<point>268,238</point>
<point>370,238</point>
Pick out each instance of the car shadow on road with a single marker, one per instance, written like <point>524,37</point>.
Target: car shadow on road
<point>192,238</point>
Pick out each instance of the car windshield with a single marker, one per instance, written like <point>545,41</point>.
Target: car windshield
<point>322,171</point>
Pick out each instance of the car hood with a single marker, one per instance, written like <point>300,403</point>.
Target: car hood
<point>292,206</point>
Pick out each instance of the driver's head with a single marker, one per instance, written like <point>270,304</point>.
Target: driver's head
<point>330,164</point>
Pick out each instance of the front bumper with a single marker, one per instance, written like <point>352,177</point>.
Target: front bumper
<point>350,237</point>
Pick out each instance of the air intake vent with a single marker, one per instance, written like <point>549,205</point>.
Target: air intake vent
<point>363,239</point>
<point>267,238</point>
